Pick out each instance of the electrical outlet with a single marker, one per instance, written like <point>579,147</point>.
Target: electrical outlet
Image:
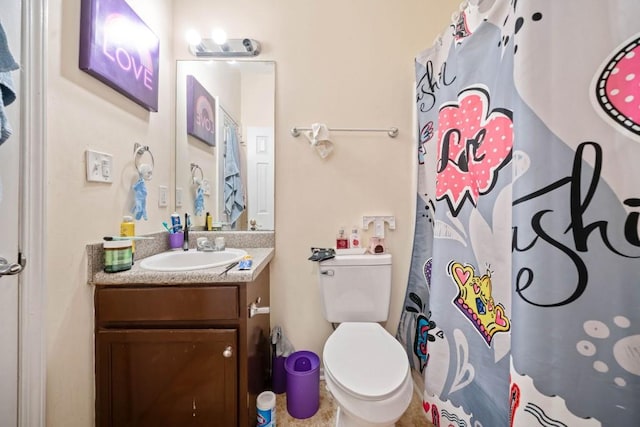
<point>178,197</point>
<point>163,196</point>
<point>99,166</point>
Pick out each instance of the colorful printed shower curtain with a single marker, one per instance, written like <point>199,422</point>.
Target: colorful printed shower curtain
<point>523,301</point>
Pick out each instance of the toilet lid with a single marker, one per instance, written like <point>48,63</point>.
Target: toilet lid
<point>365,360</point>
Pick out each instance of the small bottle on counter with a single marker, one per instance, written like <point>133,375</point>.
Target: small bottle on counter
<point>341,241</point>
<point>208,222</point>
<point>128,229</point>
<point>354,239</point>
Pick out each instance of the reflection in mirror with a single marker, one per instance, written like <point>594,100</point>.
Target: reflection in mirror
<point>225,127</point>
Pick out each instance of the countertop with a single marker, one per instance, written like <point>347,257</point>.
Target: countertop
<point>139,276</point>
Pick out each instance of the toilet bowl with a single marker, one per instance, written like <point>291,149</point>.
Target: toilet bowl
<point>367,372</point>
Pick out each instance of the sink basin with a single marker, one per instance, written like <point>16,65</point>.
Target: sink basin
<point>191,260</point>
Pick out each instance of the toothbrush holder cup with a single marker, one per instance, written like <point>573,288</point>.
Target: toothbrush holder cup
<point>176,240</point>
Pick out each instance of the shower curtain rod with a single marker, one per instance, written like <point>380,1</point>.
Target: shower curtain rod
<point>392,131</point>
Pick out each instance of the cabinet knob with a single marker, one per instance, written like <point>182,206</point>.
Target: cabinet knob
<point>228,352</point>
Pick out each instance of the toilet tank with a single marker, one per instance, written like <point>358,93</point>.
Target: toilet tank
<point>355,288</point>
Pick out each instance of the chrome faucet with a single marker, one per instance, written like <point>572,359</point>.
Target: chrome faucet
<point>205,244</point>
<point>187,224</point>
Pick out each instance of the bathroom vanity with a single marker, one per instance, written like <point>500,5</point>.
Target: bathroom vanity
<point>181,348</point>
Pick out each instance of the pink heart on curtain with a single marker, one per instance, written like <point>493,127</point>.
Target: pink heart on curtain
<point>617,88</point>
<point>474,143</point>
<point>499,320</point>
<point>462,274</point>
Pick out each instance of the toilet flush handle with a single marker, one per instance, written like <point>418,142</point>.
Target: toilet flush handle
<point>327,272</point>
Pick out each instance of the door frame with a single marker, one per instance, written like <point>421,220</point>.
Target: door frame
<point>32,217</point>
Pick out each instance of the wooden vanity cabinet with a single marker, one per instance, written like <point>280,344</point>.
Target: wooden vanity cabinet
<point>180,355</point>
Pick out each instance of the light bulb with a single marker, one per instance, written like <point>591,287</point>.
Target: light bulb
<point>219,36</point>
<point>193,38</point>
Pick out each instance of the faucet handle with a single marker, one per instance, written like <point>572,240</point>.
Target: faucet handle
<point>219,243</point>
<point>204,244</point>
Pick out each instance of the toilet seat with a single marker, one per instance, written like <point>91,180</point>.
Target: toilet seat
<point>365,361</point>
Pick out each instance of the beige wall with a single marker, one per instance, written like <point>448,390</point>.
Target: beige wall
<point>347,64</point>
<point>83,113</point>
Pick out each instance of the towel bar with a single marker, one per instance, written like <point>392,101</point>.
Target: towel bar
<point>392,131</point>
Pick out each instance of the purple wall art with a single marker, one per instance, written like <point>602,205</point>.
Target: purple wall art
<point>119,49</point>
<point>200,112</point>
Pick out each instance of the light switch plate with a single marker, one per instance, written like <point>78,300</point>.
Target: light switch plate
<point>163,196</point>
<point>178,197</point>
<point>99,166</point>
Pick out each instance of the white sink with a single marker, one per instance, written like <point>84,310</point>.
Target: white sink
<point>191,260</point>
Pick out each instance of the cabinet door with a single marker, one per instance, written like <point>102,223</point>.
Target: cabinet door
<point>172,378</point>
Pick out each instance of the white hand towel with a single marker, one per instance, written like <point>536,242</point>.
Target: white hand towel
<point>318,136</point>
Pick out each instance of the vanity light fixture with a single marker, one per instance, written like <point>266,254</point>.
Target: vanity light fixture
<point>218,46</point>
<point>219,36</point>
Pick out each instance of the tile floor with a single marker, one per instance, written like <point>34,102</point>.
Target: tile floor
<point>325,417</point>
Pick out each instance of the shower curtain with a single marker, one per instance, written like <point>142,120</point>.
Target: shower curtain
<point>523,299</point>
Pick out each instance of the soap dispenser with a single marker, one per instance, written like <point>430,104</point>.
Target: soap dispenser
<point>342,242</point>
<point>128,229</point>
<point>354,239</point>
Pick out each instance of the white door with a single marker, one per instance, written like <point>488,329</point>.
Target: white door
<point>260,177</point>
<point>22,219</point>
<point>9,230</point>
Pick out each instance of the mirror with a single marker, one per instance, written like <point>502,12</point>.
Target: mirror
<point>225,112</point>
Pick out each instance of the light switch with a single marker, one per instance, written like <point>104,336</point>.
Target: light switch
<point>163,196</point>
<point>105,164</point>
<point>178,197</point>
<point>99,166</point>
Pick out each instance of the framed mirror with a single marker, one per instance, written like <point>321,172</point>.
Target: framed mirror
<point>225,119</point>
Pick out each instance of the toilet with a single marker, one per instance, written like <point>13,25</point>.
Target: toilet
<point>366,369</point>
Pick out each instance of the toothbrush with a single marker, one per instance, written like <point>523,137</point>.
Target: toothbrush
<point>108,238</point>
<point>170,230</point>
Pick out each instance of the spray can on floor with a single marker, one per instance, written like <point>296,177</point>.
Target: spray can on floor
<point>266,406</point>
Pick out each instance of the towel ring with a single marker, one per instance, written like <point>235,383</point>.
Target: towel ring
<point>138,152</point>
<point>195,168</point>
